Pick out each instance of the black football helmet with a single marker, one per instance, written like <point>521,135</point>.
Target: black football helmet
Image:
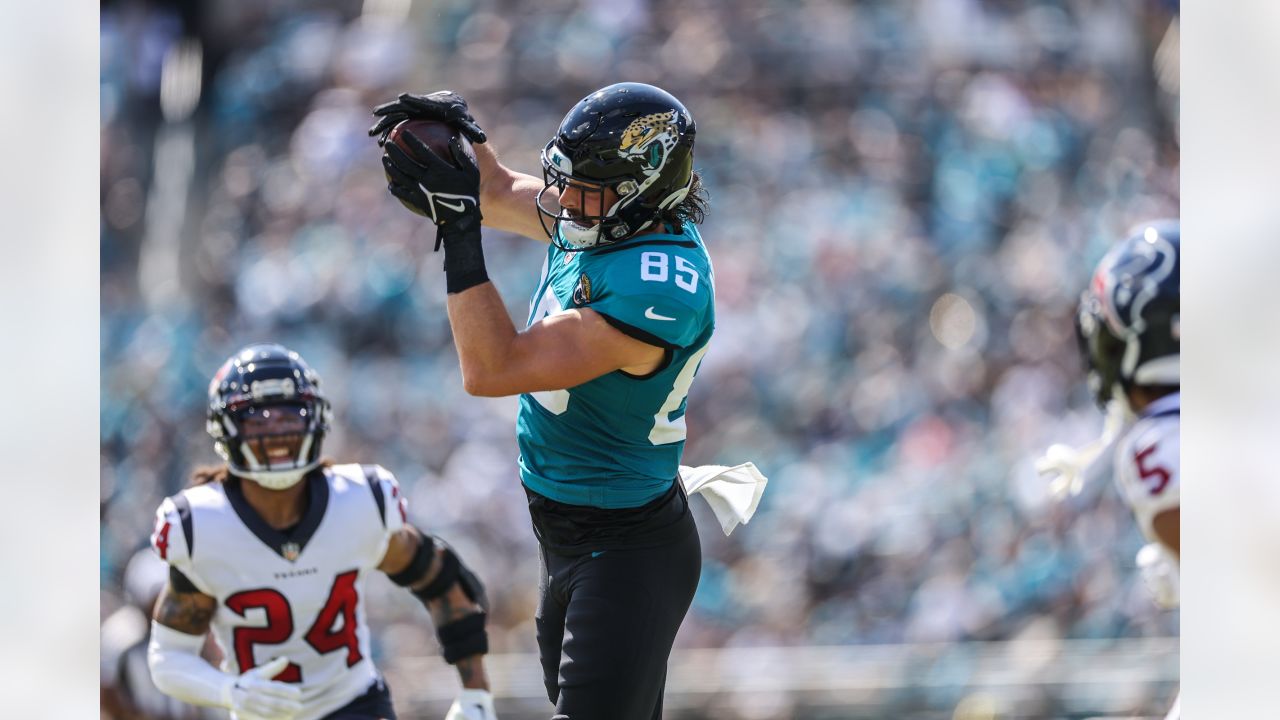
<point>251,383</point>
<point>1127,322</point>
<point>634,138</point>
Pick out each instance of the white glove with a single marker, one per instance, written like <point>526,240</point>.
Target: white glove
<point>255,696</point>
<point>1160,572</point>
<point>1065,467</point>
<point>1068,469</point>
<point>472,705</point>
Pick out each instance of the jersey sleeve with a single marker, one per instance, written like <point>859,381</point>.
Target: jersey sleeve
<point>393,507</point>
<point>392,503</point>
<point>172,538</point>
<point>659,296</point>
<point>1147,472</point>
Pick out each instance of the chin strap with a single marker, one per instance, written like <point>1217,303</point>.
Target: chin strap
<point>277,479</point>
<point>1067,468</point>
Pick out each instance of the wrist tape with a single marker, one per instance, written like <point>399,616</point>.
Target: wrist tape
<point>463,256</point>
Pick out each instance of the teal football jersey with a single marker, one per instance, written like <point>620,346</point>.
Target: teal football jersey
<point>616,441</point>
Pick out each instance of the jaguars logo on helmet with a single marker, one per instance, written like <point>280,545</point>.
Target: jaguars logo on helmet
<point>650,138</point>
<point>256,378</point>
<point>633,138</point>
<point>1128,319</point>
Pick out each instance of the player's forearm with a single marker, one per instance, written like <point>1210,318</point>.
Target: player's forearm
<point>484,336</point>
<point>178,670</point>
<point>508,198</point>
<point>452,594</point>
<point>452,606</point>
<point>472,674</point>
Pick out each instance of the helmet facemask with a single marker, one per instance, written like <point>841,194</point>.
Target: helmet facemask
<point>593,223</point>
<point>629,149</point>
<point>267,417</point>
<point>1102,351</point>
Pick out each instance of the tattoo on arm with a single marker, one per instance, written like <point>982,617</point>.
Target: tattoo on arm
<point>190,613</point>
<point>452,605</point>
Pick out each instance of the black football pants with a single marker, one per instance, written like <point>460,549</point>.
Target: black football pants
<point>606,622</point>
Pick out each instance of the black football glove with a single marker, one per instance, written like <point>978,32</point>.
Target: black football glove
<point>443,106</point>
<point>431,186</point>
<point>450,197</point>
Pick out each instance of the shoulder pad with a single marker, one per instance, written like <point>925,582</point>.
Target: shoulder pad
<point>393,507</point>
<point>1148,469</point>
<point>172,538</point>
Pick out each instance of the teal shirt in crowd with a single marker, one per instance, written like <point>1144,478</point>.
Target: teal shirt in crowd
<point>616,441</point>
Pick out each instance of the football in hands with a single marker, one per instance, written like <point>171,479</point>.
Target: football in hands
<point>435,135</point>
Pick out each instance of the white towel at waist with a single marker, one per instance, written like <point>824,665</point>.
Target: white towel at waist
<point>733,492</point>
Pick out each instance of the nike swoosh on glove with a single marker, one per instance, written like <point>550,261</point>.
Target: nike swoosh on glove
<point>435,188</point>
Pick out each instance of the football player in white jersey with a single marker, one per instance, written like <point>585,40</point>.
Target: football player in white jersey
<point>1128,323</point>
<point>271,551</point>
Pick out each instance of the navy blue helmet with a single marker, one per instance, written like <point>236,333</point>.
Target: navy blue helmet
<point>1128,318</point>
<point>251,385</point>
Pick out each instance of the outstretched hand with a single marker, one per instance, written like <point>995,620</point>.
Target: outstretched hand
<point>444,106</point>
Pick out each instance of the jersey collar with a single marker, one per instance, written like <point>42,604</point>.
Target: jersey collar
<point>683,236</point>
<point>288,546</point>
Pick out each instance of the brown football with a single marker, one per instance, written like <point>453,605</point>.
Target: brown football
<point>434,134</point>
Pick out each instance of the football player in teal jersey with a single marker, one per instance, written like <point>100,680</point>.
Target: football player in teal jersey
<point>620,321</point>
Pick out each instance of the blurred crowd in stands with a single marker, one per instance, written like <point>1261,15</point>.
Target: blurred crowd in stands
<point>906,200</point>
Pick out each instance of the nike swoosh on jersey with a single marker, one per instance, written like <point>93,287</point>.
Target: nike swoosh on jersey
<point>649,313</point>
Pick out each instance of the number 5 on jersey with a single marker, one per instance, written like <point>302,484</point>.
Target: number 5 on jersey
<point>1156,477</point>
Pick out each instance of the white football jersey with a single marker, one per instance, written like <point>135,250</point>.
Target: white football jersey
<point>300,596</point>
<point>1147,468</point>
